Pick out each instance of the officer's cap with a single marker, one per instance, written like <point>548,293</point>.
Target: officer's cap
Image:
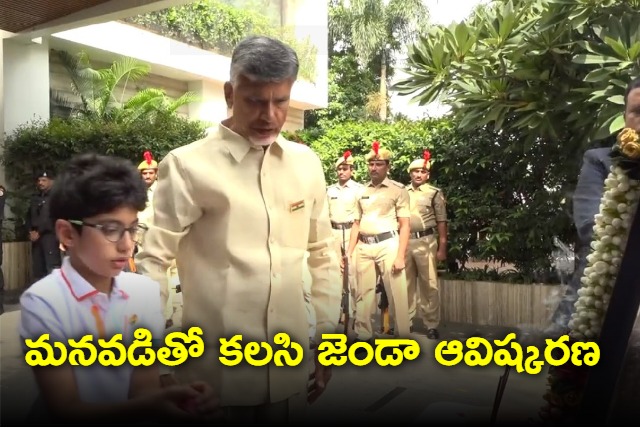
<point>45,173</point>
<point>425,162</point>
<point>378,153</point>
<point>148,162</point>
<point>346,159</point>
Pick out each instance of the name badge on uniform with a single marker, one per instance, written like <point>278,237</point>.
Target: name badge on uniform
<point>296,206</point>
<point>333,197</point>
<point>364,197</point>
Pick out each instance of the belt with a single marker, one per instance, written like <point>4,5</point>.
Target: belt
<point>341,226</point>
<point>420,234</point>
<point>374,239</point>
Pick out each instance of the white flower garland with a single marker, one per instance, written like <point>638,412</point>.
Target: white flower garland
<point>611,230</point>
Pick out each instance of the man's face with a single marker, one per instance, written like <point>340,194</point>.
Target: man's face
<point>419,176</point>
<point>344,172</point>
<point>44,183</point>
<point>259,108</point>
<point>149,176</point>
<point>378,169</point>
<point>632,110</point>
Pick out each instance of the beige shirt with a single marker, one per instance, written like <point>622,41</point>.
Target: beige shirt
<point>427,207</point>
<point>379,207</point>
<point>239,220</point>
<point>343,201</point>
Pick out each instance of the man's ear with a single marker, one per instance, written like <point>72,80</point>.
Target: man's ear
<point>66,233</point>
<point>228,94</point>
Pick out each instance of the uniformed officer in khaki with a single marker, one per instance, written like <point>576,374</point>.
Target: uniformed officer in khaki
<point>149,172</point>
<point>379,238</point>
<point>428,219</point>
<point>343,198</point>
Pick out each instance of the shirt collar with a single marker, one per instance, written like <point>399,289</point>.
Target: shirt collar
<point>80,289</point>
<point>386,182</point>
<point>238,146</point>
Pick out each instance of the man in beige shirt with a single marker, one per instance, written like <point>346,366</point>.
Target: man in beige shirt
<point>379,238</point>
<point>238,209</point>
<point>428,217</point>
<point>343,198</point>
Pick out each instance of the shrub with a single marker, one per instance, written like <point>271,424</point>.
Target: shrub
<point>38,144</point>
<point>505,201</point>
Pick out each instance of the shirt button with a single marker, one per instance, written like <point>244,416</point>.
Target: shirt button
<point>275,275</point>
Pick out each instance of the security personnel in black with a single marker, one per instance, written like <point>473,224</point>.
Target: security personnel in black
<point>45,248</point>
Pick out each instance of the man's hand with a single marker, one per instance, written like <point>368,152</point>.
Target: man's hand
<point>343,261</point>
<point>441,255</point>
<point>318,380</point>
<point>398,265</point>
<point>34,235</point>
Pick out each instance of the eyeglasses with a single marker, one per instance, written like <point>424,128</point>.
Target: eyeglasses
<point>114,231</point>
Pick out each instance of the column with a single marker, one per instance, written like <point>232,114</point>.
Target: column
<point>211,107</point>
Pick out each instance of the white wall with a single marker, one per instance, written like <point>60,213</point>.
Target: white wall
<point>26,83</point>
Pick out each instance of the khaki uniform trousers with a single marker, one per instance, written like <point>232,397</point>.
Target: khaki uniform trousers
<point>382,255</point>
<point>422,280</point>
<point>353,288</point>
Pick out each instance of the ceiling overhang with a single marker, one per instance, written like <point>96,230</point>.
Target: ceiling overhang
<point>37,18</point>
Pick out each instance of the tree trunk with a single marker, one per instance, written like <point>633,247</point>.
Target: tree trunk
<point>383,87</point>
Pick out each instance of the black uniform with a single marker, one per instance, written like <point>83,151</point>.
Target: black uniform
<point>45,252</point>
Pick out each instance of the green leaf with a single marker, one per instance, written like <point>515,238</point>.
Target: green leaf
<point>617,99</point>
<point>617,124</point>
<point>594,59</point>
<point>618,47</point>
<point>598,75</point>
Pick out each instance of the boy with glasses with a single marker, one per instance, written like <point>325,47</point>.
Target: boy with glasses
<point>95,205</point>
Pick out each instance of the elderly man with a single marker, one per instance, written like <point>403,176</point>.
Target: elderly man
<point>238,209</point>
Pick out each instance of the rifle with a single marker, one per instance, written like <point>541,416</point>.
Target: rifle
<point>383,305</point>
<point>345,284</point>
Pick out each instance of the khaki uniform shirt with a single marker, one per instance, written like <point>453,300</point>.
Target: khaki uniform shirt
<point>380,206</point>
<point>239,220</point>
<point>146,216</point>
<point>427,207</point>
<point>343,201</point>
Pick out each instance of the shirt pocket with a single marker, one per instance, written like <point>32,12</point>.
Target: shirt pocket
<point>295,224</point>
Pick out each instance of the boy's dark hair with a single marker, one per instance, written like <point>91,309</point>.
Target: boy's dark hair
<point>93,184</point>
<point>634,84</point>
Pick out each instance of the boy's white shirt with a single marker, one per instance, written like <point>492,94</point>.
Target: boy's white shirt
<point>61,304</point>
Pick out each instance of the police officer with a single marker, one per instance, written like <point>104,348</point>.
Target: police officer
<point>428,218</point>
<point>45,248</point>
<point>342,200</point>
<point>379,237</point>
<point>149,171</point>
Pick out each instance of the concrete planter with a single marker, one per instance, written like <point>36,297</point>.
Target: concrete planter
<point>16,265</point>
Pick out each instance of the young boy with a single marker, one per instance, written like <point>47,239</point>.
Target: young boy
<point>95,204</point>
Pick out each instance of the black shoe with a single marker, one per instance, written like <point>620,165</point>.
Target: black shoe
<point>432,333</point>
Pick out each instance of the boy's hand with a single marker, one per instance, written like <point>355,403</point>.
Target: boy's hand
<point>206,405</point>
<point>167,403</point>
